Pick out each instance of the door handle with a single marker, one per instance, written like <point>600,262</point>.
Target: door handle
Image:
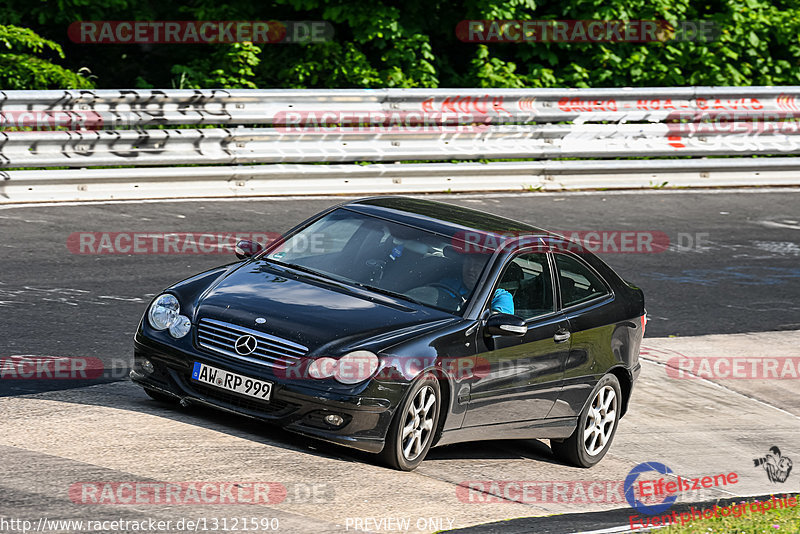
<point>561,336</point>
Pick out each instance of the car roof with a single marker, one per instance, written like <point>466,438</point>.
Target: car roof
<point>441,217</point>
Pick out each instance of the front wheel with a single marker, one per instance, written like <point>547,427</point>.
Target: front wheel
<point>597,425</point>
<point>412,430</point>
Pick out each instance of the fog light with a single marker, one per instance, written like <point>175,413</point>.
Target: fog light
<point>180,327</point>
<point>147,367</point>
<point>334,420</point>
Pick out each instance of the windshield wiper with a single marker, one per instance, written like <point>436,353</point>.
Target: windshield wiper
<point>343,280</point>
<point>304,269</point>
<point>390,293</point>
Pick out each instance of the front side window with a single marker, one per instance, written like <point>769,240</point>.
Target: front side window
<point>578,283</point>
<point>527,279</point>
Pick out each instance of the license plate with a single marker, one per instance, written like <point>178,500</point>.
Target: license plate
<point>223,379</point>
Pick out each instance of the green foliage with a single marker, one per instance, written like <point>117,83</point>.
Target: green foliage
<point>24,71</point>
<point>781,520</point>
<point>20,68</point>
<point>330,64</point>
<point>759,44</point>
<point>229,66</point>
<point>14,37</point>
<point>407,44</point>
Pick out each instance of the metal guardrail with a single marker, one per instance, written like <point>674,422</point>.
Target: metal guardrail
<point>262,145</point>
<point>137,128</point>
<point>141,107</point>
<point>299,179</point>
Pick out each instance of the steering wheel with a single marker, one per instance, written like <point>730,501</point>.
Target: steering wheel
<point>451,294</point>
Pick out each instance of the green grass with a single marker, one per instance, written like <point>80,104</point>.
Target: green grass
<point>780,521</point>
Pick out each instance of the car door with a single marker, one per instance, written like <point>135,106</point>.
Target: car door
<point>584,298</point>
<point>519,377</point>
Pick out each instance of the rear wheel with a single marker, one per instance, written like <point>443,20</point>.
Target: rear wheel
<point>412,430</point>
<point>597,425</point>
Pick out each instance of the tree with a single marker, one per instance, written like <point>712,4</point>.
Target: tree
<point>414,43</point>
<point>22,68</point>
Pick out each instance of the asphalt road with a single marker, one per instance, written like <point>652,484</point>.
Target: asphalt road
<point>744,276</point>
<point>60,447</point>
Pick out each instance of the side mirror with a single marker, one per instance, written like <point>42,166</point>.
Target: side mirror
<point>504,324</point>
<point>247,249</point>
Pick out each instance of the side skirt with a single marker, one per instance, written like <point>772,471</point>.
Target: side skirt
<point>560,428</point>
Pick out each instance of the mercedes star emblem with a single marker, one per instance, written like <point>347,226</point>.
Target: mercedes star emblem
<point>245,345</point>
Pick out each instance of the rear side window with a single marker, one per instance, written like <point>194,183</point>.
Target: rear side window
<point>577,282</point>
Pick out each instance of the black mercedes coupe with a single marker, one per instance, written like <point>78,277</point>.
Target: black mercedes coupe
<point>394,324</point>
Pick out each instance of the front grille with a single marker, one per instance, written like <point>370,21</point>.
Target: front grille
<point>219,337</point>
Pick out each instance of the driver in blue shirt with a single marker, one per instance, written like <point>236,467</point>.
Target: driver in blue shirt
<point>502,301</point>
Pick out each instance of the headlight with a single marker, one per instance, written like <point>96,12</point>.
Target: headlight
<point>163,312</point>
<point>355,367</point>
<point>322,368</point>
<point>351,368</point>
<point>180,327</point>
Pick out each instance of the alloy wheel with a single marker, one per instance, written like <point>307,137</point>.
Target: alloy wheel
<point>600,421</point>
<point>418,423</point>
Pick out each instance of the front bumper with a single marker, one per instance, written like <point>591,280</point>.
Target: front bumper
<point>298,405</point>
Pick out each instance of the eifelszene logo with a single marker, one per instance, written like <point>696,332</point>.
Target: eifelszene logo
<point>630,494</point>
<point>669,488</point>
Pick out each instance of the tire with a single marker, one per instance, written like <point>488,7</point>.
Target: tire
<point>418,413</point>
<point>160,397</point>
<point>596,428</point>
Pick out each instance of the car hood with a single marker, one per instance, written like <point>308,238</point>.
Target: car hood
<point>325,316</point>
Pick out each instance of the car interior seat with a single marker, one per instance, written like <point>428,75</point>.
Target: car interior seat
<point>567,290</point>
<point>512,282</point>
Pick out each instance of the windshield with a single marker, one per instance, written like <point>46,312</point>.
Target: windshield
<point>387,257</point>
